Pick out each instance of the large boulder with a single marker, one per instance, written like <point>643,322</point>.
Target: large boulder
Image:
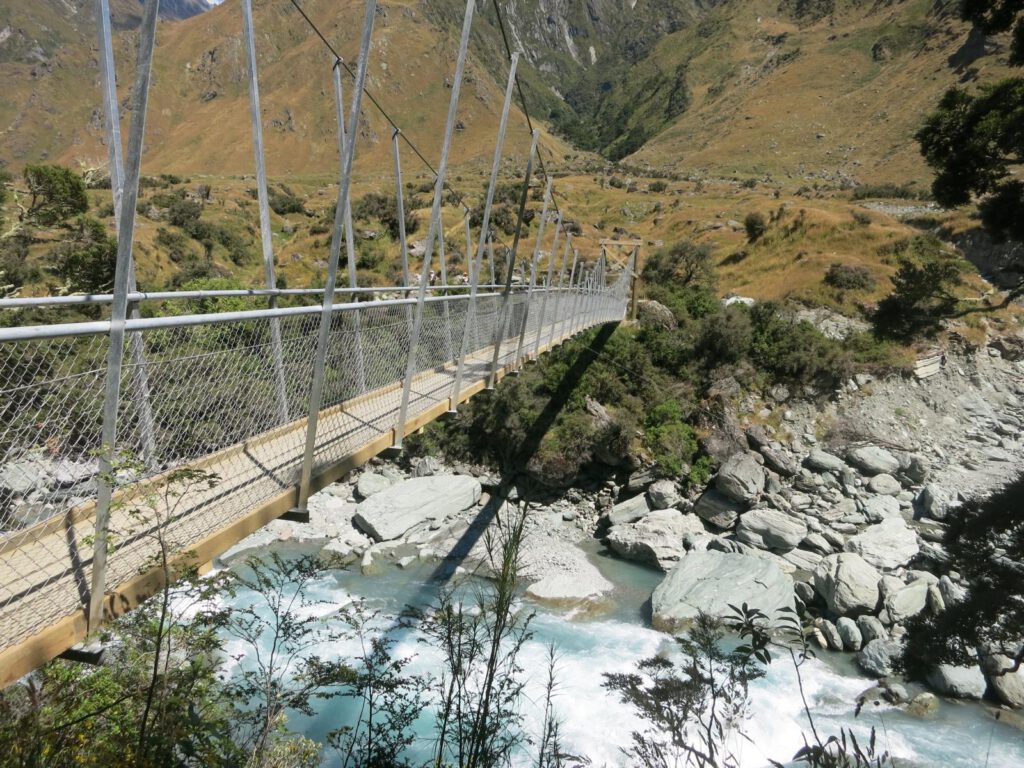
<point>20,478</point>
<point>629,511</point>
<point>879,656</point>
<point>652,314</point>
<point>770,529</point>
<point>879,508</point>
<point>907,602</point>
<point>779,461</point>
<point>741,478</point>
<point>657,539</point>
<point>712,581</point>
<point>872,460</point>
<point>390,513</point>
<point>1006,685</point>
<point>823,461</point>
<point>663,495</point>
<point>847,584</point>
<point>718,509</point>
<point>935,501</point>
<point>888,545</point>
<point>957,682</point>
<point>884,484</point>
<point>850,633</point>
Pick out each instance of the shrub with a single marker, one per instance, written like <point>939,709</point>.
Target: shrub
<point>384,208</point>
<point>849,277</point>
<point>57,193</point>
<point>15,269</point>
<point>681,265</point>
<point>888,191</point>
<point>616,182</point>
<point>282,202</point>
<point>922,288</point>
<point>657,186</point>
<point>755,225</point>
<point>184,213</point>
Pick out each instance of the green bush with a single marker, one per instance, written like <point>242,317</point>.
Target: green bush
<point>657,186</point>
<point>849,277</point>
<point>384,208</point>
<point>755,225</point>
<point>923,287</point>
<point>15,269</point>
<point>888,192</point>
<point>57,193</point>
<point>282,202</point>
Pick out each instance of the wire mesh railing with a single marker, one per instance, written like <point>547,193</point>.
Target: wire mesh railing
<point>213,403</point>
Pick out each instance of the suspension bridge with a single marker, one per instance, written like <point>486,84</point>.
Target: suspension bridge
<point>153,434</point>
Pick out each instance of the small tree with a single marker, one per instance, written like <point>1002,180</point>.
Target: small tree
<point>922,289</point>
<point>685,264</point>
<point>57,193</point>
<point>87,259</point>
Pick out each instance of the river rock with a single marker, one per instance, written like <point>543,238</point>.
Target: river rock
<point>888,545</point>
<point>371,483</point>
<point>629,511</point>
<point>822,461</point>
<point>832,636</point>
<point>564,588</point>
<point>847,583</point>
<point>850,634</point>
<point>878,656</point>
<point>20,478</point>
<point>1006,686</point>
<point>711,581</point>
<point>663,495</point>
<point>871,628</point>
<point>957,682</point>
<point>817,542</point>
<point>740,478</point>
<point>907,602</point>
<point>779,461</point>
<point>657,539</point>
<point>923,705</point>
<point>770,529</point>
<point>717,509</point>
<point>872,460</point>
<point>884,484</point>
<point>390,513</point>
<point>879,508</point>
<point>935,501</point>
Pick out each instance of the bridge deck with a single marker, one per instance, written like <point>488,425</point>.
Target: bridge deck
<point>44,581</point>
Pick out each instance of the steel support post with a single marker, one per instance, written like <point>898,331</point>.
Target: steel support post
<point>119,310</point>
<point>403,244</point>
<point>485,233</point>
<point>316,392</point>
<point>266,235</point>
<point>432,230</point>
<point>350,235</point>
<point>503,314</point>
<point>490,256</point>
<point>112,116</point>
<point>560,296</point>
<point>633,283</point>
<point>568,305</point>
<point>448,354</point>
<point>548,287</point>
<point>517,360</point>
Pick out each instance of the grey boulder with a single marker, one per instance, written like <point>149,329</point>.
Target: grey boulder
<point>1006,685</point>
<point>878,657</point>
<point>657,539</point>
<point>879,508</point>
<point>907,602</point>
<point>957,682</point>
<point>717,509</point>
<point>711,581</point>
<point>370,483</point>
<point>663,495</point>
<point>872,460</point>
<point>847,583</point>
<point>770,529</point>
<point>935,501</point>
<point>741,478</point>
<point>887,545</point>
<point>822,461</point>
<point>629,511</point>
<point>390,513</point>
<point>850,633</point>
<point>884,484</point>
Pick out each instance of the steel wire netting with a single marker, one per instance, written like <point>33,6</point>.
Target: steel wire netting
<point>224,400</point>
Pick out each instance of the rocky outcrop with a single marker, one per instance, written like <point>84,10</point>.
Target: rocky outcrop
<point>651,314</point>
<point>712,581</point>
<point>847,584</point>
<point>390,513</point>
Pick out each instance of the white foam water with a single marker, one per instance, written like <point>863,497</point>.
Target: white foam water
<point>595,724</point>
